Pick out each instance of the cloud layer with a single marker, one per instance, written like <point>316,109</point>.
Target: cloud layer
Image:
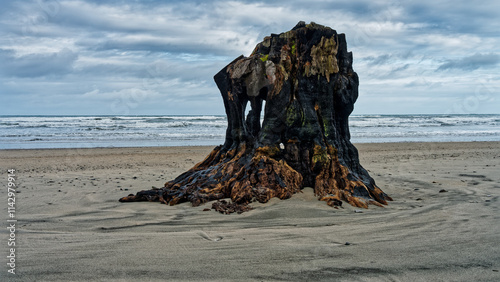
<point>159,57</point>
<point>473,62</point>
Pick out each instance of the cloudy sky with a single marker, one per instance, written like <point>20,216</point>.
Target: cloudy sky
<point>86,57</point>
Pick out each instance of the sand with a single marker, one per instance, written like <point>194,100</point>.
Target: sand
<point>71,226</point>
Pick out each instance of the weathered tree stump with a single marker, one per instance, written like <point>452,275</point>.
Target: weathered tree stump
<point>305,76</point>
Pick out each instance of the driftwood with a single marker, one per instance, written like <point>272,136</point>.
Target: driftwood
<point>305,76</point>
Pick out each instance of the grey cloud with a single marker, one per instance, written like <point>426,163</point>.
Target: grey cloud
<point>382,59</point>
<point>153,72</point>
<point>35,65</point>
<point>164,45</point>
<point>175,47</point>
<point>388,58</point>
<point>400,68</point>
<point>473,62</point>
<point>155,27</point>
<point>423,83</point>
<point>461,17</point>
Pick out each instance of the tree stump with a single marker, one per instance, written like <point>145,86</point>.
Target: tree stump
<point>306,79</point>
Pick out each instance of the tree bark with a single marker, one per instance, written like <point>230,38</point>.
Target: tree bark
<point>305,76</point>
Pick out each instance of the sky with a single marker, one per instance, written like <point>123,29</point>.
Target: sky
<point>89,57</point>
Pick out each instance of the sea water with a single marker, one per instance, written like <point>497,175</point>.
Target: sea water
<point>30,132</point>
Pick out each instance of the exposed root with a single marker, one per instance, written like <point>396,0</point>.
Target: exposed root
<point>226,207</point>
<point>335,183</point>
<point>234,175</point>
<point>228,175</point>
<point>144,195</point>
<point>264,178</point>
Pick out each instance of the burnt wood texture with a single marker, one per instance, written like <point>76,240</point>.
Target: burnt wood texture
<point>306,79</point>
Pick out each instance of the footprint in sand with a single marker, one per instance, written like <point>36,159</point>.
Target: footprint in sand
<point>206,237</point>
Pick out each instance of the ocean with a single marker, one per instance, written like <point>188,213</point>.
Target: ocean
<point>36,132</point>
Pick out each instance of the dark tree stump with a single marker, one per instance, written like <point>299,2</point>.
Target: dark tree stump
<point>306,78</point>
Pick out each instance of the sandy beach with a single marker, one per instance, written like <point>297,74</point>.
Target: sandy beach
<point>443,225</point>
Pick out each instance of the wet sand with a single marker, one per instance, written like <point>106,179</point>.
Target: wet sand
<point>443,225</point>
